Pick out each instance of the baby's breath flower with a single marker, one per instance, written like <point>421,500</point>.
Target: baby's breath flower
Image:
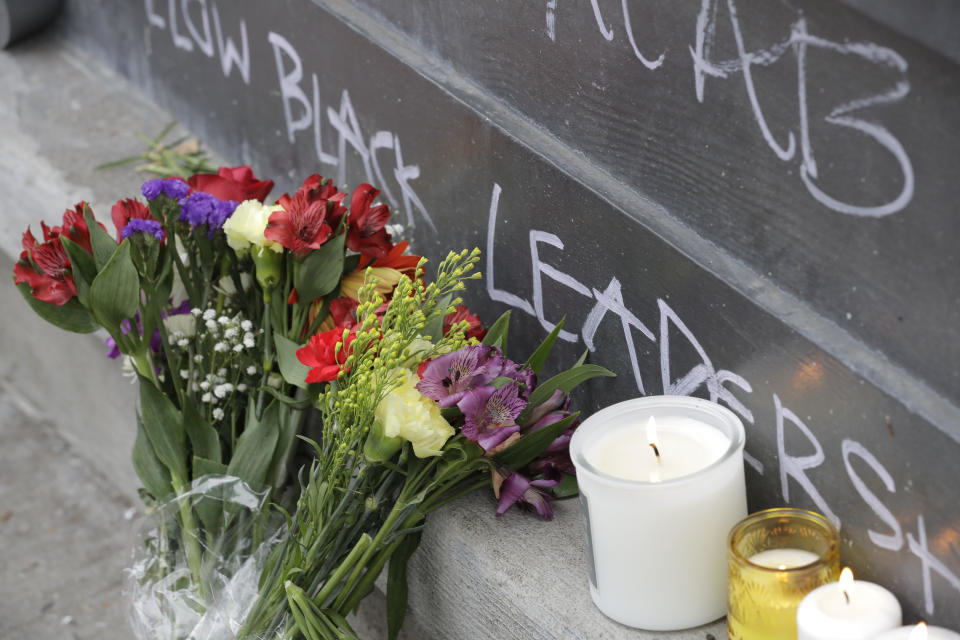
<point>218,414</point>
<point>237,348</point>
<point>220,347</point>
<point>209,314</point>
<point>198,358</point>
<point>184,373</point>
<point>251,370</point>
<point>196,312</point>
<point>183,343</point>
<point>246,325</point>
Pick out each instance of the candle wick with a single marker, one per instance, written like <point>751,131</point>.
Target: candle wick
<point>846,595</point>
<point>655,451</point>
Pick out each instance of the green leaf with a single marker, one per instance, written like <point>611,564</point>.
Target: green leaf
<point>434,328</point>
<point>321,270</point>
<point>103,245</point>
<point>539,357</point>
<point>115,292</point>
<point>292,370</point>
<point>497,333</point>
<point>154,476</point>
<point>566,381</point>
<point>205,467</point>
<point>163,425</point>
<point>530,446</point>
<point>255,447</point>
<point>82,267</point>
<point>567,488</point>
<point>70,317</point>
<point>397,584</point>
<point>209,506</point>
<point>203,437</point>
<point>286,430</point>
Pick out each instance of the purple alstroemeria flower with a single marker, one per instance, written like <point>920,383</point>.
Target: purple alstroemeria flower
<point>171,187</point>
<point>558,401</point>
<point>156,342</point>
<point>447,378</point>
<point>527,494</point>
<point>490,414</point>
<point>138,225</point>
<point>525,376</point>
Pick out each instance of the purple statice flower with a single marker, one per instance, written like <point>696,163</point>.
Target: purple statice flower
<point>525,376</point>
<point>527,494</point>
<point>171,187</point>
<point>197,208</point>
<point>490,414</point>
<point>138,225</point>
<point>446,379</point>
<point>219,215</point>
<point>156,342</point>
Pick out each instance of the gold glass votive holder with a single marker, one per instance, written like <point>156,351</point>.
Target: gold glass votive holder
<point>775,558</point>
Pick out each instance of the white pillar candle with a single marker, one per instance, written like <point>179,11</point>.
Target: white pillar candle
<point>657,517</point>
<point>919,632</point>
<point>847,610</point>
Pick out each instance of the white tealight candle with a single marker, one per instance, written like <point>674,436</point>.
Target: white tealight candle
<point>661,484</point>
<point>784,558</point>
<point>847,610</point>
<point>919,632</point>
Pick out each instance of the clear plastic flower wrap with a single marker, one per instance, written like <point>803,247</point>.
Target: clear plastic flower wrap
<point>197,560</point>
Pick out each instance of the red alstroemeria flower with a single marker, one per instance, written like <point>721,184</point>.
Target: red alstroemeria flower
<point>475,329</point>
<point>323,356</point>
<point>74,226</point>
<point>232,183</point>
<point>396,258</point>
<point>316,187</point>
<point>366,234</point>
<point>300,227</point>
<point>45,268</point>
<point>343,311</point>
<point>125,211</point>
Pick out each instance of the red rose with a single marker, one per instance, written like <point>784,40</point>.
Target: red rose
<point>232,183</point>
<point>322,355</point>
<point>125,211</point>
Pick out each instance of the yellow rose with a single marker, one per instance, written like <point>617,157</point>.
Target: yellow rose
<point>405,413</point>
<point>245,227</point>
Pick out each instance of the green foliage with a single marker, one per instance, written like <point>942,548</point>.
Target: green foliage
<point>293,371</point>
<point>71,317</point>
<point>397,584</point>
<point>497,333</point>
<point>163,426</point>
<point>532,445</point>
<point>115,292</point>
<point>321,270</point>
<point>251,460</point>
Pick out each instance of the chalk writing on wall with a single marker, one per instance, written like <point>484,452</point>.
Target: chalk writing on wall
<point>796,41</point>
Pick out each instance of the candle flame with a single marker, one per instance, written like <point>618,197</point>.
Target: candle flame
<point>652,437</point>
<point>919,632</point>
<point>846,581</point>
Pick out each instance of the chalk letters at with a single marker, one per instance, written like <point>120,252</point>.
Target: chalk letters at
<point>892,541</point>
<point>795,467</point>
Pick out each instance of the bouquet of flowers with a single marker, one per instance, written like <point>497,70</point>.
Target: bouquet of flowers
<point>238,318</point>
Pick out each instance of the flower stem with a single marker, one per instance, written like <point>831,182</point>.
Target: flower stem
<point>267,352</point>
<point>338,574</point>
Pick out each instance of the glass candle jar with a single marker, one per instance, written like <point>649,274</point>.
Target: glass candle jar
<point>661,483</point>
<point>775,558</point>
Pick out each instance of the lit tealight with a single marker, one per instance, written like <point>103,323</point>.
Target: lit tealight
<point>919,632</point>
<point>846,582</point>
